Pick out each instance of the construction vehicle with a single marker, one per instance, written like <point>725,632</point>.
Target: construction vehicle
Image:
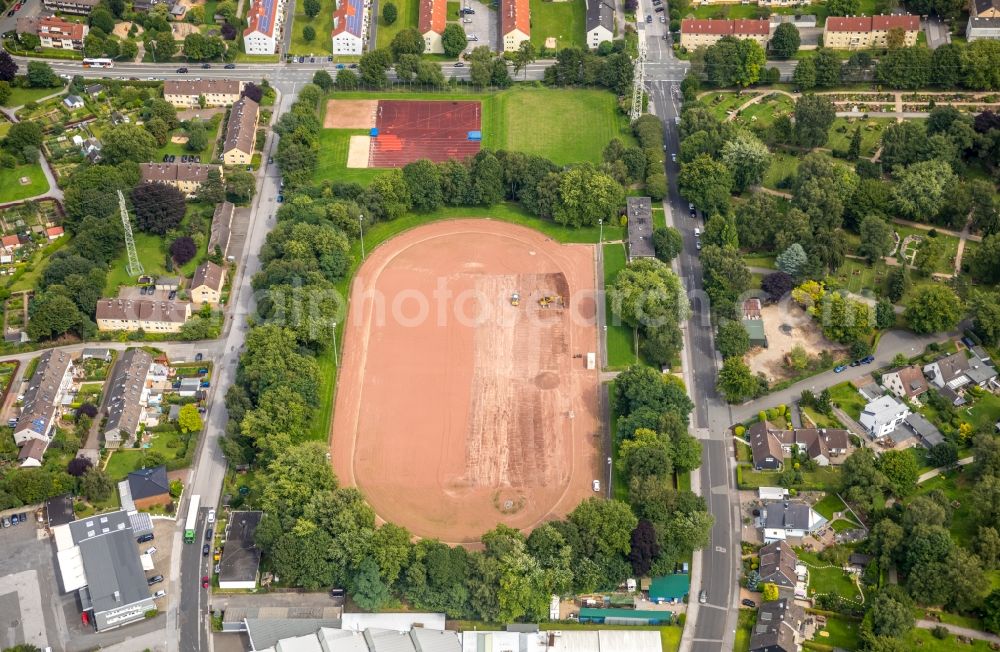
<point>547,300</point>
<point>515,299</point>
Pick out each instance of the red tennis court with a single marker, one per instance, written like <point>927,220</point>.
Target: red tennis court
<point>409,130</point>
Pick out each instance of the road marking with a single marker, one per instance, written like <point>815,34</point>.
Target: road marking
<point>720,549</point>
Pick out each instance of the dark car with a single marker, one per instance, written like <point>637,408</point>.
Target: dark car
<point>204,581</point>
<point>459,64</point>
<point>166,158</point>
<point>206,66</point>
<point>337,593</point>
<point>182,70</point>
<point>10,13</point>
<point>868,359</point>
<point>205,549</point>
<point>24,517</point>
<point>353,66</point>
<point>230,66</point>
<point>144,538</point>
<point>649,19</point>
<point>199,356</point>
<point>208,534</point>
<point>173,157</point>
<point>281,198</point>
<point>14,520</point>
<point>749,603</point>
<point>155,579</point>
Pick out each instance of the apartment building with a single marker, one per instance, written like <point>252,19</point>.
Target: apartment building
<point>698,33</point>
<point>431,23</point>
<point>241,132</point>
<point>863,32</point>
<point>186,177</point>
<point>264,21</point>
<point>190,93</point>
<point>515,23</point>
<point>150,315</point>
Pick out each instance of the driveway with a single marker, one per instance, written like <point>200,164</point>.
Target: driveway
<point>9,23</point>
<point>937,32</point>
<point>483,25</point>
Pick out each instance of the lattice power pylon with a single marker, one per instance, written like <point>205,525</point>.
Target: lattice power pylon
<point>638,79</point>
<point>134,266</point>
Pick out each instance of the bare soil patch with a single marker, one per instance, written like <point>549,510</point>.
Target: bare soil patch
<point>350,114</point>
<point>359,152</point>
<point>455,410</point>
<point>799,328</point>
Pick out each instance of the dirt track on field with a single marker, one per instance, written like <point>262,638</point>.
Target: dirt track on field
<point>350,114</point>
<point>455,410</point>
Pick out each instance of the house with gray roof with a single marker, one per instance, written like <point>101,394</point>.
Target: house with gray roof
<point>789,519</point>
<point>640,227</point>
<point>600,22</point>
<point>769,446</point>
<point>777,564</point>
<point>928,433</point>
<point>240,554</point>
<point>883,415</point>
<point>778,627</point>
<point>52,377</point>
<point>102,557</point>
<point>126,391</point>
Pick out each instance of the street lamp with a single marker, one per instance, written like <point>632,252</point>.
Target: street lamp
<point>609,477</point>
<point>335,361</point>
<point>600,223</point>
<point>361,224</point>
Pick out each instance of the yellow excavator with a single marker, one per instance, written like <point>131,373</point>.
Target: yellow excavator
<point>546,301</point>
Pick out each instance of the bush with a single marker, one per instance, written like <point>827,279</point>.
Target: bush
<point>739,430</point>
<point>940,632</point>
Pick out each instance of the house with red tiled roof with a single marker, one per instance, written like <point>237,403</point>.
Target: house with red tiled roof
<point>863,32</point>
<point>699,33</point>
<point>10,242</point>
<point>264,20</point>
<point>350,25</point>
<point>515,23</point>
<point>54,232</point>
<point>432,21</point>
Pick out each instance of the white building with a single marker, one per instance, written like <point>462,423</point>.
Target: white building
<point>792,518</point>
<point>600,22</point>
<point>883,415</point>
<point>263,26</point>
<point>350,24</point>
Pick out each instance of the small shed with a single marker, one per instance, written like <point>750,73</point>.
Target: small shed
<point>772,493</point>
<point>755,329</point>
<point>670,588</point>
<point>73,102</point>
<point>169,283</point>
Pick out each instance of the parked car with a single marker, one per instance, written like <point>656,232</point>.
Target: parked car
<point>206,66</point>
<point>673,156</point>
<point>6,522</point>
<point>150,551</point>
<point>204,581</point>
<point>649,18</point>
<point>230,66</point>
<point>281,198</point>
<point>466,20</point>
<point>159,594</point>
<point>144,538</point>
<point>166,158</point>
<point>702,596</point>
<point>24,517</point>
<point>663,19</point>
<point>747,602</point>
<point>155,579</point>
<point>839,368</point>
<point>340,66</point>
<point>337,593</point>
<point>211,516</point>
<point>459,64</point>
<point>10,13</point>
<point>697,245</point>
<point>353,66</point>
<point>868,359</point>
<point>205,549</point>
<point>198,357</point>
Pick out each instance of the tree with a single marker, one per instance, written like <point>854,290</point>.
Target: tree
<point>897,283</point>
<point>656,186</point>
<point>813,116</point>
<point>737,383</point>
<point>407,41</point>
<point>308,34</point>
<point>641,386</point>
<point>769,592</point>
<point>347,80</point>
<point>212,190</point>
<point>854,149</point>
<point>890,614</point>
<point>905,68</point>
<point>586,195</point>
<point>523,56</point>
<point>667,243</point>
<point>8,68</point>
<point>785,41</point>
<point>734,62</point>
<point>901,471</point>
<point>21,135</point>
<point>991,611</point>
<point>96,485</point>
<point>240,185</point>
<point>189,419</point>
<point>423,178</point>
<point>885,314</point>
<point>844,7</point>
<point>389,13</point>
<point>876,238</point>
<point>828,68</point>
<point>732,339</point>
<point>158,207</point>
<point>197,136</point>
<point>373,66</point>
<point>805,74</point>
<point>982,53</point>
<point>41,75</point>
<point>453,39</point>
<point>53,315</point>
<point>920,189</point>
<point>183,249</point>
<point>985,310</point>
<point>984,263</point>
<point>792,261</point>
<point>748,159</point>
<point>933,309</point>
<point>777,285</point>
<point>644,548</point>
<point>128,142</point>
<point>312,8</point>
<point>706,183</point>
<point>78,466</point>
<point>323,79</point>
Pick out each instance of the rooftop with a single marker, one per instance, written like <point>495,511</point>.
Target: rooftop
<point>241,130</point>
<point>600,13</point>
<point>209,274</point>
<point>433,16</point>
<point>111,560</point>
<point>241,557</point>
<point>261,17</point>
<point>640,227</point>
<point>872,23</point>
<point>348,17</point>
<point>147,483</point>
<point>742,27</point>
<point>144,310</point>
<point>515,15</point>
<point>196,87</point>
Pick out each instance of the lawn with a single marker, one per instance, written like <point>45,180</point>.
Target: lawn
<point>946,263</point>
<point>125,460</point>
<point>848,399</point>
<point>722,103</point>
<point>409,15</point>
<point>320,429</point>
<point>619,486</point>
<point>842,131</point>
<point>830,504</point>
<point>322,24</point>
<point>843,525</point>
<point>759,261</point>
<point>763,113</point>
<point>10,182</point>
<point>180,149</point>
<point>984,413</point>
<point>782,167</point>
<point>29,278</point>
<point>151,254</point>
<point>564,125</point>
<point>825,478</point>
<point>620,338</point>
<point>21,96</point>
<point>827,580</point>
<point>744,630</point>
<point>566,21</point>
<point>841,633</point>
<point>923,640</point>
<point>955,486</point>
<point>858,277</point>
<point>332,159</point>
<point>821,420</point>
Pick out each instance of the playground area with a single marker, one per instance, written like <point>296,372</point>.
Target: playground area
<point>460,405</point>
<point>403,131</point>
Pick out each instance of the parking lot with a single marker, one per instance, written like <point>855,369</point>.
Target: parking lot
<point>483,24</point>
<point>29,599</point>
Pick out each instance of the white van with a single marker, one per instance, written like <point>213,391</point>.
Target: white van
<point>697,232</point>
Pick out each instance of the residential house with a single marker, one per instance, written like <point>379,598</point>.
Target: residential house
<point>148,487</point>
<point>778,627</point>
<point>150,315</point>
<point>192,93</point>
<point>207,284</point>
<point>515,23</point>
<point>240,561</point>
<point>222,229</point>
<point>96,353</point>
<point>126,397</point>
<point>600,22</point>
<point>93,90</point>
<point>241,132</point>
<point>80,7</point>
<point>640,227</point>
<point>264,19</point>
<point>883,415</point>
<point>91,149</point>
<point>32,452</point>
<point>11,242</point>
<point>858,562</point>
<point>73,102</point>
<point>777,564</point>
<point>99,559</point>
<point>984,20</point>
<point>431,23</point>
<point>54,232</point>
<point>54,32</point>
<point>863,32</point>
<point>789,518</point>
<point>907,383</point>
<point>928,433</point>
<point>40,407</point>
<point>350,25</point>
<point>186,177</point>
<point>188,387</point>
<point>769,446</point>
<point>699,33</point>
<point>952,374</point>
